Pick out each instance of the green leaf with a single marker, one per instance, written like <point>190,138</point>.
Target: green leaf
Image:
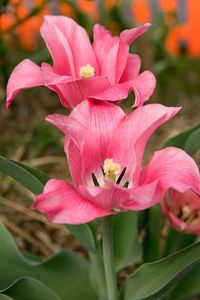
<point>84,234</point>
<point>177,240</point>
<point>127,248</point>
<point>28,177</point>
<point>180,139</point>
<point>65,273</point>
<point>152,280</point>
<point>34,180</point>
<point>188,287</point>
<point>28,288</point>
<point>151,244</point>
<point>192,144</point>
<point>4,297</point>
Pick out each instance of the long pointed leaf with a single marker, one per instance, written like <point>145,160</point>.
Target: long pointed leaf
<point>29,289</point>
<point>32,179</point>
<point>152,280</point>
<point>65,273</point>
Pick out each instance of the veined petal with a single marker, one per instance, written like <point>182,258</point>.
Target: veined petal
<point>111,53</point>
<point>25,75</point>
<point>129,35</point>
<point>84,140</point>
<point>143,86</point>
<point>174,168</point>
<point>110,198</point>
<point>101,118</point>
<point>132,68</point>
<point>68,38</point>
<point>144,196</point>
<point>133,134</point>
<point>63,205</point>
<point>71,92</point>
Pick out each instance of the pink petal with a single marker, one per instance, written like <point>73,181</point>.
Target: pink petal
<point>143,197</point>
<point>129,35</point>
<point>63,205</point>
<point>84,141</point>
<point>75,162</point>
<point>101,118</point>
<point>174,168</point>
<point>25,75</point>
<point>143,86</point>
<point>112,197</point>
<point>72,92</point>
<point>129,140</point>
<point>64,39</point>
<point>132,68</point>
<point>111,53</point>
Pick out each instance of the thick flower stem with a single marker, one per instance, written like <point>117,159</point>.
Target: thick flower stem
<point>108,258</point>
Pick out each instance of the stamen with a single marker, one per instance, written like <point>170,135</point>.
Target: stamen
<point>87,71</point>
<point>95,180</point>
<point>121,176</point>
<point>126,184</point>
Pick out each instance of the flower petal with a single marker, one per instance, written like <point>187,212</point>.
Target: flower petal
<point>132,68</point>
<point>25,75</point>
<point>63,205</point>
<point>111,53</point>
<point>133,134</point>
<point>129,35</point>
<point>143,196</point>
<point>72,92</point>
<point>174,168</point>
<point>84,141</point>
<point>101,118</point>
<point>64,37</point>
<point>143,86</point>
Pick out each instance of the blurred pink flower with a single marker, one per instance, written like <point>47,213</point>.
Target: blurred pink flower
<point>103,71</point>
<point>183,210</point>
<point>104,148</point>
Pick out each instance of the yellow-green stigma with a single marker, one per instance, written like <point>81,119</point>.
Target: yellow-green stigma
<point>111,169</point>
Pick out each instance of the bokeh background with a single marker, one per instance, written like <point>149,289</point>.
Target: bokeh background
<point>171,49</point>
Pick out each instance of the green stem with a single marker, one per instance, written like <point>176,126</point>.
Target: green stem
<point>108,258</point>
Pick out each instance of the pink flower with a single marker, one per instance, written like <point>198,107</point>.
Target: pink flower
<point>183,210</point>
<point>103,71</point>
<point>104,148</point>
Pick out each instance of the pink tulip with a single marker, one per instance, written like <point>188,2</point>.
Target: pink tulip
<point>103,71</point>
<point>104,147</point>
<point>183,210</point>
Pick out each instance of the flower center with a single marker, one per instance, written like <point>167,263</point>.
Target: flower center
<point>187,215</point>
<point>87,71</point>
<point>111,169</point>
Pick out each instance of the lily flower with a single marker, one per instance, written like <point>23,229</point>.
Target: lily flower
<point>104,148</point>
<point>183,210</point>
<point>104,71</point>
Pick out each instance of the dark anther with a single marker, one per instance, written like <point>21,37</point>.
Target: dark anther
<point>102,171</point>
<point>121,176</point>
<point>126,184</point>
<point>95,179</point>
